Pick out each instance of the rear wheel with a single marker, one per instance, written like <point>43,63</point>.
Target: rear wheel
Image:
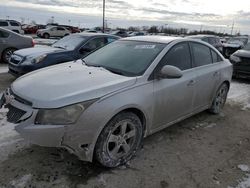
<point>46,36</point>
<point>120,140</point>
<point>7,54</point>
<point>219,99</point>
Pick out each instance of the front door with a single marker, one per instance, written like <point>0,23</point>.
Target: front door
<point>174,97</point>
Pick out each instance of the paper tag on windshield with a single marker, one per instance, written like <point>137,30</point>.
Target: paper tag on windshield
<point>144,46</point>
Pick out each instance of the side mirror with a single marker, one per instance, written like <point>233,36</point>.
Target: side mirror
<point>85,50</point>
<point>169,71</point>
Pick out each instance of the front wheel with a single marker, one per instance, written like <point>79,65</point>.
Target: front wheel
<point>119,140</point>
<point>6,55</point>
<point>219,99</point>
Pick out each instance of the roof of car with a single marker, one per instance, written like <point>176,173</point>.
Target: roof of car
<point>157,39</point>
<point>200,36</point>
<point>93,34</point>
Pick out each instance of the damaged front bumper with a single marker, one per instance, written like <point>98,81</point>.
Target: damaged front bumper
<point>44,135</point>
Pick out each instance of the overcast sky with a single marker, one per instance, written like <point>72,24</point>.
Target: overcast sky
<point>193,14</point>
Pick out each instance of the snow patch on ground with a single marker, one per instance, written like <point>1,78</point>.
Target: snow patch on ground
<point>244,168</point>
<point>244,183</point>
<point>240,93</point>
<point>10,140</point>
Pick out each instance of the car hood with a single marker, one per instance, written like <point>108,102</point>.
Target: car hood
<point>68,83</point>
<point>34,52</point>
<point>233,44</point>
<point>242,53</point>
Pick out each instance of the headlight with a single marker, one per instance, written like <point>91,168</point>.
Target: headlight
<point>31,60</point>
<point>62,116</point>
<point>235,59</point>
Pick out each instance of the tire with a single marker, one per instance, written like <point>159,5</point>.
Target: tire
<point>7,54</point>
<point>119,141</point>
<point>66,35</point>
<point>219,99</point>
<point>46,36</point>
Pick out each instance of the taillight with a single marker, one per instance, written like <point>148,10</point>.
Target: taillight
<point>33,43</point>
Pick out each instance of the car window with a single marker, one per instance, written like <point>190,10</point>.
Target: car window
<point>111,39</point>
<point>216,58</point>
<point>69,42</point>
<point>96,43</point>
<point>130,58</point>
<point>14,24</point>
<point>212,41</point>
<point>52,28</point>
<point>60,28</point>
<point>3,23</point>
<point>205,39</point>
<point>201,54</point>
<point>178,56</point>
<point>4,34</point>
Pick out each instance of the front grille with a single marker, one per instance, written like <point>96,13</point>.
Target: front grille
<point>15,59</point>
<point>14,114</point>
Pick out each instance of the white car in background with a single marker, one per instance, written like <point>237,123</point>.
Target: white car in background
<point>54,31</point>
<point>12,25</point>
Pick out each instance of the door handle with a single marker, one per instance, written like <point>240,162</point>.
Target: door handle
<point>191,83</point>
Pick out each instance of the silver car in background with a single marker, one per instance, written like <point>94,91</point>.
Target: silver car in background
<point>10,42</point>
<point>103,106</point>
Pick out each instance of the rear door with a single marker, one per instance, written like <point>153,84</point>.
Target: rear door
<point>207,73</point>
<point>174,97</point>
<point>3,40</point>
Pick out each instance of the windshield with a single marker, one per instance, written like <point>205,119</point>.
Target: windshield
<point>69,42</point>
<point>129,58</point>
<point>247,47</point>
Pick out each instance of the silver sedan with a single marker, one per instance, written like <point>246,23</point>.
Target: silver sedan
<point>103,106</point>
<point>10,42</point>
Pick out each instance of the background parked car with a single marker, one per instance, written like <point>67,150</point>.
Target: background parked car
<point>241,62</point>
<point>12,25</point>
<point>211,39</point>
<point>120,33</point>
<point>234,44</point>
<point>69,48</point>
<point>10,42</point>
<point>54,31</point>
<point>136,33</point>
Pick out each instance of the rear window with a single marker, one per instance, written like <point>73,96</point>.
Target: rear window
<point>201,54</point>
<point>216,58</point>
<point>14,24</point>
<point>3,23</point>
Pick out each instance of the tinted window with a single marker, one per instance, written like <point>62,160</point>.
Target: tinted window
<point>4,34</point>
<point>178,56</point>
<point>14,24</point>
<point>201,53</point>
<point>3,23</point>
<point>60,29</point>
<point>130,58</point>
<point>96,43</point>
<point>215,56</point>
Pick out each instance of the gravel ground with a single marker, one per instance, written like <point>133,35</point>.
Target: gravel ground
<point>203,151</point>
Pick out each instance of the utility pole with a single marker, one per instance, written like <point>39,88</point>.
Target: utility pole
<point>232,28</point>
<point>103,17</point>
